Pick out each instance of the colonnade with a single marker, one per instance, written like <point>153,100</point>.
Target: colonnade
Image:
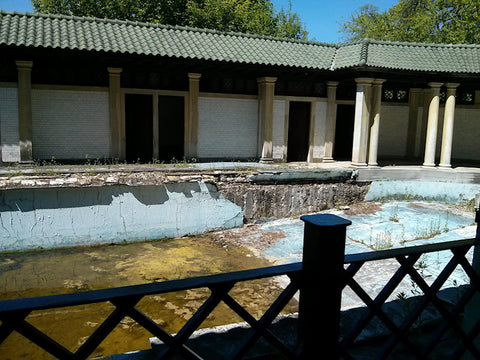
<point>367,122</point>
<point>366,131</point>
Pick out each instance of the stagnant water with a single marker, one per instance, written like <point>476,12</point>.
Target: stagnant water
<point>375,227</point>
<point>78,269</point>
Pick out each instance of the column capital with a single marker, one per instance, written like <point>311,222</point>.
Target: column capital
<point>24,64</point>
<point>112,70</point>
<point>332,84</point>
<point>452,86</point>
<point>267,80</point>
<point>194,76</point>
<point>364,81</point>
<point>435,85</point>
<point>378,81</point>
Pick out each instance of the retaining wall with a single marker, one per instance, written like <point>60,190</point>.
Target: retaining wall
<point>59,217</point>
<point>59,210</point>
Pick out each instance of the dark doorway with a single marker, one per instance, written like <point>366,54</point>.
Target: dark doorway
<point>344,132</point>
<point>171,127</point>
<point>139,127</point>
<point>298,131</point>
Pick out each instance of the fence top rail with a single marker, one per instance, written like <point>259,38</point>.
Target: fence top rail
<point>419,249</point>
<point>102,295</point>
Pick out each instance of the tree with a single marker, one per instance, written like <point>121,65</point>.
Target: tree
<point>252,16</point>
<point>290,25</point>
<point>439,21</point>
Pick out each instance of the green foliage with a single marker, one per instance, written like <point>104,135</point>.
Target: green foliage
<point>252,16</point>
<point>163,11</point>
<point>438,21</point>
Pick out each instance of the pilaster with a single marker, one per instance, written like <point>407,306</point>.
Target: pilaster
<point>25,109</point>
<point>331,120</point>
<point>191,130</point>
<point>266,92</point>
<point>413,105</point>
<point>361,122</point>
<point>117,128</point>
<point>375,123</point>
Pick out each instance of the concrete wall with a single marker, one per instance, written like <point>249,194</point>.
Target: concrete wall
<point>228,128</point>
<point>9,124</point>
<point>59,217</point>
<point>70,124</point>
<point>288,200</point>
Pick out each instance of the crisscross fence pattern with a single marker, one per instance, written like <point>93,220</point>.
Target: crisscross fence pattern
<point>323,328</point>
<point>124,299</point>
<point>448,336</point>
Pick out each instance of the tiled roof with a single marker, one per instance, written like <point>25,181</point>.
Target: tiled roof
<point>76,33</point>
<point>127,37</point>
<point>424,57</point>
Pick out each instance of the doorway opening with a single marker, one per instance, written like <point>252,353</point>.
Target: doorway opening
<point>344,132</point>
<point>298,131</point>
<point>171,127</point>
<point>139,127</point>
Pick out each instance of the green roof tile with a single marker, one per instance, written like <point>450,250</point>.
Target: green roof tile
<point>76,33</point>
<point>91,34</point>
<point>424,57</point>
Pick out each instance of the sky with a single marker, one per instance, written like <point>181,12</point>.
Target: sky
<point>322,18</point>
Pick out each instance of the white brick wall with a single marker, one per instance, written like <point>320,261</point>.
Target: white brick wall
<point>278,129</point>
<point>393,130</point>
<point>466,134</point>
<point>227,128</point>
<point>70,124</point>
<point>9,124</point>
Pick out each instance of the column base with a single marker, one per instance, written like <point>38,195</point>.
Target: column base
<point>328,160</point>
<point>428,165</point>
<point>266,160</point>
<point>359,164</point>
<point>374,165</point>
<point>445,166</point>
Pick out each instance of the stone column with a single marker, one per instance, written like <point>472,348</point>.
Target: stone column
<point>331,120</point>
<point>117,128</point>
<point>362,121</point>
<point>375,125</point>
<point>25,110</point>
<point>413,104</point>
<point>432,124</point>
<point>266,92</point>
<point>191,130</point>
<point>448,121</point>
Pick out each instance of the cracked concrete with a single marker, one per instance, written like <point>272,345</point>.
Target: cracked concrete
<point>111,214</point>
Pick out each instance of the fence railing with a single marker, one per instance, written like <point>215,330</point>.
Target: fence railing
<point>321,278</point>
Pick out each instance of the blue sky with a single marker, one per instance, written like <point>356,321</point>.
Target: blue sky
<point>321,17</point>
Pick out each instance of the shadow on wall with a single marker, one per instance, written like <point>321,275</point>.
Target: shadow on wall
<point>53,198</point>
<point>58,217</point>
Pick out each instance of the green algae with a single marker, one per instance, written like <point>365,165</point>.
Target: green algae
<point>39,273</point>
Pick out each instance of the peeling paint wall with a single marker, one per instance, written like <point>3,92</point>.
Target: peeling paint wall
<point>60,217</point>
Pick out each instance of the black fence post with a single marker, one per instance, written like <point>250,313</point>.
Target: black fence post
<point>321,288</point>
